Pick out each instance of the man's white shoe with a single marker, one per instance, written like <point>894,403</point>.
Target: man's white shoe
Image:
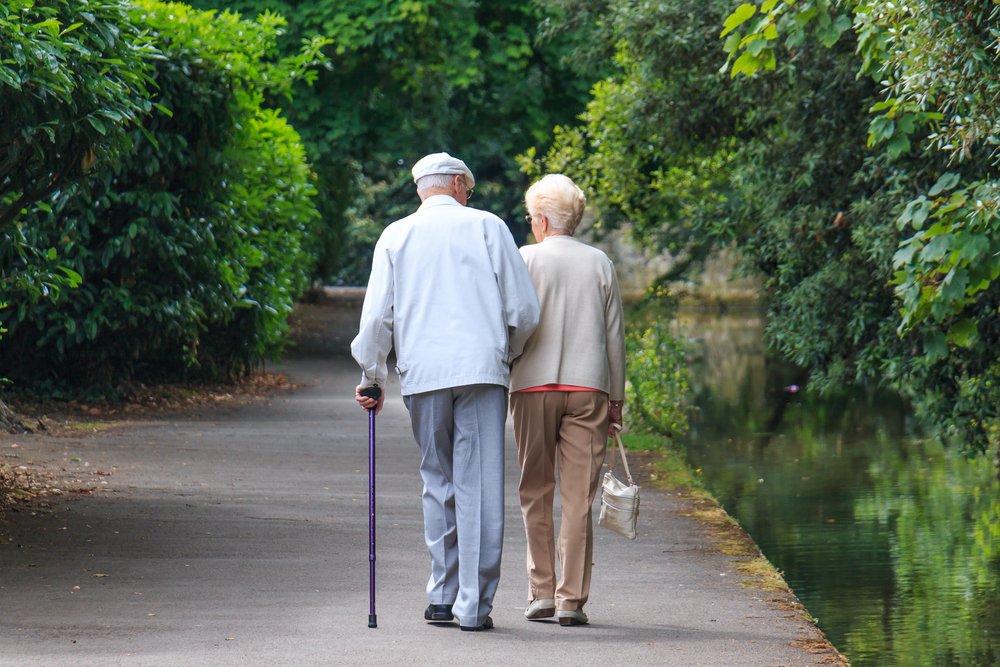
<point>577,617</point>
<point>541,608</point>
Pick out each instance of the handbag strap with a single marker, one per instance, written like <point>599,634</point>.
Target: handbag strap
<point>621,448</point>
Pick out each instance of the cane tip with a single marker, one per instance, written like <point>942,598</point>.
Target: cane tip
<point>372,622</point>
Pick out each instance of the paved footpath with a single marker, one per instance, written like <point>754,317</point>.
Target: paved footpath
<point>239,536</point>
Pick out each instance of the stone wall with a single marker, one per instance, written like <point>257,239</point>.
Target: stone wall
<point>638,268</point>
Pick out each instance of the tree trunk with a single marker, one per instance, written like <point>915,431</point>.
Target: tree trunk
<point>10,421</point>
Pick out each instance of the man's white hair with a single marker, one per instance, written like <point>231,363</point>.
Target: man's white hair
<point>431,181</point>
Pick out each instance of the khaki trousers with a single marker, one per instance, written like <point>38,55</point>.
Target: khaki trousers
<point>570,427</point>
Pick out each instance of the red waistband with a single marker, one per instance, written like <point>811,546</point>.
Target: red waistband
<point>556,387</point>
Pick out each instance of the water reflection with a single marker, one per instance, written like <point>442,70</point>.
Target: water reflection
<point>892,543</point>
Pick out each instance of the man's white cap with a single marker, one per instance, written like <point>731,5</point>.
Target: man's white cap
<point>442,163</point>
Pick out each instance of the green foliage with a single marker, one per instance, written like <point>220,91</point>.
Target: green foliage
<point>272,196</point>
<point>945,266</point>
<point>193,247</point>
<point>807,168</point>
<point>657,388</point>
<point>369,214</point>
<point>752,35</point>
<point>934,60</point>
<point>935,64</point>
<point>657,137</point>
<point>408,78</point>
<point>73,80</point>
<point>30,272</point>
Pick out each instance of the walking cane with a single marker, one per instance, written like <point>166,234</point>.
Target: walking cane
<point>373,393</point>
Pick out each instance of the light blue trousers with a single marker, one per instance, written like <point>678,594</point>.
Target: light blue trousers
<point>460,431</point>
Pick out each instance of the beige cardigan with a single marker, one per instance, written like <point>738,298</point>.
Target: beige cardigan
<point>580,338</point>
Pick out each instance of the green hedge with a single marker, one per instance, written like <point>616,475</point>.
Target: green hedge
<point>74,79</point>
<point>192,248</point>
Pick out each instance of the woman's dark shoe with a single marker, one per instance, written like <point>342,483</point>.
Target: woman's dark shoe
<point>487,625</point>
<point>438,612</point>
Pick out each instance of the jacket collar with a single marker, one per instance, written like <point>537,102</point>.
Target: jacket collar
<point>439,200</point>
<point>564,238</point>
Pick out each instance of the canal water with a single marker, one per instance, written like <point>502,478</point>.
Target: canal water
<point>891,542</point>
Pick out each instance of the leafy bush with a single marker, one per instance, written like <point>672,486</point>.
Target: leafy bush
<point>194,246</point>
<point>658,380</point>
<point>74,79</point>
<point>272,194</point>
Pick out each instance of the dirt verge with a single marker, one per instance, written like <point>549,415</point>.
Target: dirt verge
<point>26,482</point>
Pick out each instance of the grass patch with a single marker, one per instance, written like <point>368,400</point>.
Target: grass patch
<point>91,427</point>
<point>672,470</point>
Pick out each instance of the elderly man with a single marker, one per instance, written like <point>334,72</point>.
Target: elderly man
<point>450,293</point>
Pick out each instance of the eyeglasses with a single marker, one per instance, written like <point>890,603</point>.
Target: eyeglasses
<point>527,218</point>
<point>461,182</point>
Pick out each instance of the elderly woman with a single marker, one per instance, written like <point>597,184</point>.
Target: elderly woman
<point>566,394</point>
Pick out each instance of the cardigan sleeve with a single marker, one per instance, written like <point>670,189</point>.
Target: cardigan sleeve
<point>615,324</point>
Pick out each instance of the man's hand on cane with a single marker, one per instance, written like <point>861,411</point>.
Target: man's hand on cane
<point>366,403</point>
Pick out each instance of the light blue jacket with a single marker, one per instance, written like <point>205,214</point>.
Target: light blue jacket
<point>450,293</point>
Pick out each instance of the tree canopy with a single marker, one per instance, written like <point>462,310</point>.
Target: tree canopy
<point>409,78</point>
<point>847,149</point>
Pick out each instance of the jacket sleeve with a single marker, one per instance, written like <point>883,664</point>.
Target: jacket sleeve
<point>615,323</point>
<point>374,340</point>
<point>517,292</point>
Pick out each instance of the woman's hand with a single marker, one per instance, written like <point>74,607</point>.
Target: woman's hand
<point>614,417</point>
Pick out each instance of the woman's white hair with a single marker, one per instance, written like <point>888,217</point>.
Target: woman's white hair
<point>560,199</point>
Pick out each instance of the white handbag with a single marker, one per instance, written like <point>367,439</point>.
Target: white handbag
<point>619,501</point>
